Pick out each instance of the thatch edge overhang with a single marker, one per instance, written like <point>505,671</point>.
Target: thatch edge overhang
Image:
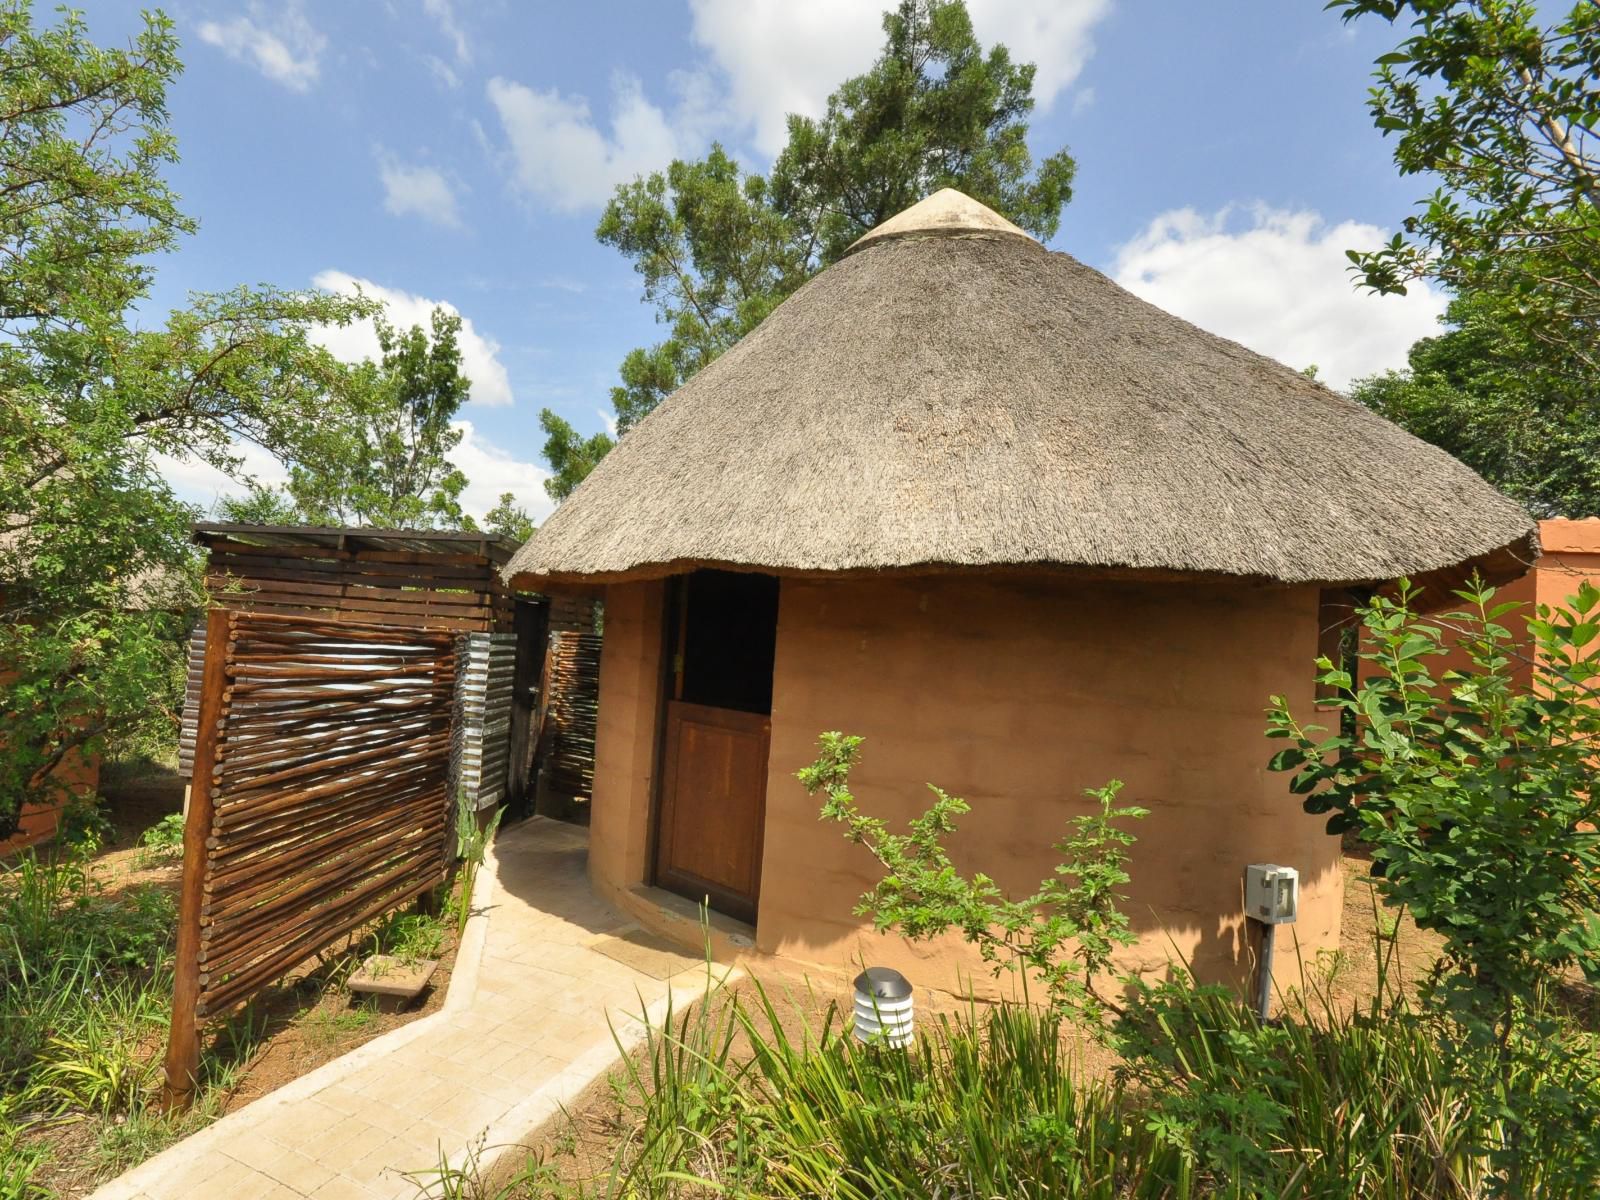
<point>1437,586</point>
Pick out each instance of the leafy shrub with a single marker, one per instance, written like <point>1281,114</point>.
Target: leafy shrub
<point>1479,793</point>
<point>163,841</point>
<point>84,826</point>
<point>1066,931</point>
<point>472,844</point>
<point>53,911</point>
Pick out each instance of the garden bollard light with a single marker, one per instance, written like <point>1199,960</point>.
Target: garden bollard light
<point>883,1007</point>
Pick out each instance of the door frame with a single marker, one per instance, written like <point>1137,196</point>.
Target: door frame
<point>674,618</point>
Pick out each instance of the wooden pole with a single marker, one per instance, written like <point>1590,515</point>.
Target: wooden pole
<point>183,1041</point>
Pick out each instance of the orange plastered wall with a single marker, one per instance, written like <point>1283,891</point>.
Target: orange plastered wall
<point>79,773</point>
<point>1016,694</point>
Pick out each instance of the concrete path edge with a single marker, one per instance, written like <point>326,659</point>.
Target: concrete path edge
<point>463,987</point>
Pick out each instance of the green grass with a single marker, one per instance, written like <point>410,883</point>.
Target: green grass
<point>1351,1101</point>
<point>409,936</point>
<point>85,995</point>
<point>84,991</point>
<point>325,1026</point>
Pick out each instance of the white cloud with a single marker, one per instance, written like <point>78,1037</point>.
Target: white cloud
<point>558,153</point>
<point>480,360</point>
<point>200,483</point>
<point>1280,285</point>
<point>442,71</point>
<point>490,471</point>
<point>416,190</point>
<point>443,14</point>
<point>280,43</point>
<point>781,57</point>
<point>1057,36</point>
<point>764,60</point>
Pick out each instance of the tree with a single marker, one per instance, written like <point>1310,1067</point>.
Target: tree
<point>509,519</point>
<point>1503,111</point>
<point>1477,792</point>
<point>718,248</point>
<point>716,256</point>
<point>935,111</point>
<point>386,462</point>
<point>570,455</point>
<point>88,398</point>
<point>260,506</point>
<point>1466,391</point>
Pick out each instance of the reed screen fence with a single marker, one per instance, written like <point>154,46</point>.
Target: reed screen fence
<point>573,712</point>
<point>320,800</point>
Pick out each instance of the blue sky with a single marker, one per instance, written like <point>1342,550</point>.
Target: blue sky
<point>461,153</point>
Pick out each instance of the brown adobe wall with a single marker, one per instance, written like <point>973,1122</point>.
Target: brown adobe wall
<point>80,775</point>
<point>625,738</point>
<point>1015,694</point>
<point>1571,554</point>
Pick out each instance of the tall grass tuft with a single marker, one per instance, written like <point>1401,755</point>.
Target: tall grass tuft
<point>84,987</point>
<point>1352,1100</point>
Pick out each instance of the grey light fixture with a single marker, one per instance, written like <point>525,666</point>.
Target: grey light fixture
<point>883,1007</point>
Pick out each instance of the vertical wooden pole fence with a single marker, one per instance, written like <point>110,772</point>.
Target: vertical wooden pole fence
<point>183,1044</point>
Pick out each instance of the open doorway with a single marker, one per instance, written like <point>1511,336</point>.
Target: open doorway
<point>711,804</point>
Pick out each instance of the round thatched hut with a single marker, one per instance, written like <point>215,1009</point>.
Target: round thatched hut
<point>1026,533</point>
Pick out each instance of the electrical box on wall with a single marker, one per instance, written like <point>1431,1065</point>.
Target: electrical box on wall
<point>1271,893</point>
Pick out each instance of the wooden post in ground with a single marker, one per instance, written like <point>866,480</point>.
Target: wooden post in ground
<point>183,1041</point>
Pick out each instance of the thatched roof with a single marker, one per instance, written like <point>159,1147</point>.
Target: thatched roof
<point>951,394</point>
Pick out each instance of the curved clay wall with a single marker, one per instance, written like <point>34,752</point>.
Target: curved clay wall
<point>1015,694</point>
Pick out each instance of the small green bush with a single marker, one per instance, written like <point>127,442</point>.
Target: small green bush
<point>409,936</point>
<point>1065,932</point>
<point>472,845</point>
<point>84,825</point>
<point>163,841</point>
<point>1477,787</point>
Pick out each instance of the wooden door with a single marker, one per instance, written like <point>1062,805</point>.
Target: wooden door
<point>713,805</point>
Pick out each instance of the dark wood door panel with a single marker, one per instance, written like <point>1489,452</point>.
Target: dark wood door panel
<point>713,805</point>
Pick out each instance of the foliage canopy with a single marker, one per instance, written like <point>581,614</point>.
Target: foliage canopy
<point>95,567</point>
<point>1502,109</point>
<point>718,248</point>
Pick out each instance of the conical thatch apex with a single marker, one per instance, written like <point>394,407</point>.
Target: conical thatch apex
<point>946,213</point>
<point>952,395</point>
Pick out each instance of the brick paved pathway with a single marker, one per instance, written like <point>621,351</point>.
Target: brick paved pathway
<point>518,1036</point>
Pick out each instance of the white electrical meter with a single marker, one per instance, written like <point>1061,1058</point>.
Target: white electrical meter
<point>1271,893</point>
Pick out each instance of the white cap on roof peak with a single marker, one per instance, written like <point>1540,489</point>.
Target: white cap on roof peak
<point>945,213</point>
